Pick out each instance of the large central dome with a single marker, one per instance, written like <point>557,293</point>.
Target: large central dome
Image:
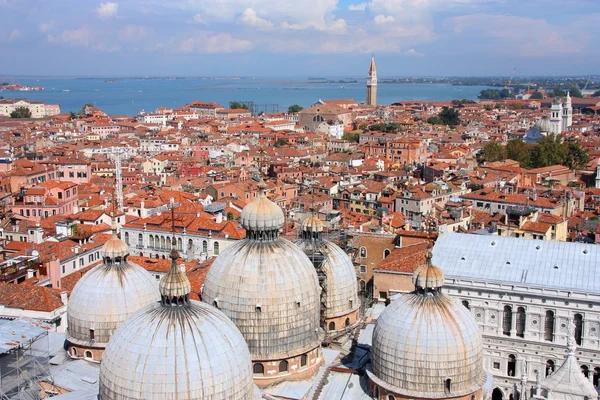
<point>270,290</point>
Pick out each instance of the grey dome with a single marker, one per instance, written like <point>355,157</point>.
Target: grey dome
<point>342,286</point>
<point>186,352</point>
<point>262,213</point>
<point>104,297</point>
<point>270,291</point>
<point>543,124</point>
<point>420,341</point>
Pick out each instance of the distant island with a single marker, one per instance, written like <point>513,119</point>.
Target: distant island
<point>15,87</point>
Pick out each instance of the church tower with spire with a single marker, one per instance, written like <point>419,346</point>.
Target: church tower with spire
<point>372,84</point>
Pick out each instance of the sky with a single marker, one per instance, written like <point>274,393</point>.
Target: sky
<point>299,37</point>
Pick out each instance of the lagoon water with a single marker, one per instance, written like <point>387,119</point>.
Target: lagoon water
<point>129,96</point>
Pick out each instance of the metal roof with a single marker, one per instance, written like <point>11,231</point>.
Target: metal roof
<point>540,263</point>
<point>19,331</point>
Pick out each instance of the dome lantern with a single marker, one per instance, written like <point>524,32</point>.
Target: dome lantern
<point>312,227</point>
<point>175,286</point>
<point>114,251</point>
<point>428,278</point>
<point>262,218</point>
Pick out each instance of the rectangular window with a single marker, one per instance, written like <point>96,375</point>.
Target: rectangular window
<point>362,269</point>
<point>383,295</point>
<point>496,365</point>
<point>63,269</point>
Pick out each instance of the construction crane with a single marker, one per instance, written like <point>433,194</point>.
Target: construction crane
<point>509,82</point>
<point>117,154</point>
<point>586,83</point>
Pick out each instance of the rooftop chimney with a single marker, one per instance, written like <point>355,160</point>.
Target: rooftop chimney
<point>64,298</point>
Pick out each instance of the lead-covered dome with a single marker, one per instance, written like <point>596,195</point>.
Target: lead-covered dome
<point>103,298</point>
<point>262,213</point>
<point>426,344</point>
<point>267,286</point>
<point>177,349</point>
<point>339,281</point>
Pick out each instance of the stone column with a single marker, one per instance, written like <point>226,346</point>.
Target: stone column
<point>513,323</point>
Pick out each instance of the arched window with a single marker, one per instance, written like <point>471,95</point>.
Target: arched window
<point>127,238</point>
<point>151,241</point>
<point>507,320</point>
<point>73,351</point>
<point>347,323</point>
<point>497,394</point>
<point>88,354</point>
<point>204,246</point>
<point>363,252</point>
<point>162,243</point>
<point>391,397</point>
<point>549,367</point>
<point>585,371</point>
<point>259,369</point>
<point>596,377</point>
<point>512,365</point>
<point>215,304</point>
<point>303,360</point>
<point>216,248</point>
<point>549,326</point>
<point>466,304</point>
<point>448,385</point>
<point>190,244</point>
<point>179,244</point>
<point>332,326</point>
<point>520,322</point>
<point>283,366</point>
<point>578,320</point>
<point>386,253</point>
<point>140,240</point>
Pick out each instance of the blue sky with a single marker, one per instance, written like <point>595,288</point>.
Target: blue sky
<point>299,38</point>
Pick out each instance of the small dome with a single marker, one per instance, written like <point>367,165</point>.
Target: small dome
<point>177,352</point>
<point>428,276</point>
<point>175,284</point>
<point>262,214</point>
<point>543,124</point>
<point>313,224</point>
<point>103,298</point>
<point>422,340</point>
<point>114,247</point>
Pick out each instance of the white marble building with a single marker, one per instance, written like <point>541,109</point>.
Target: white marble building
<point>524,293</point>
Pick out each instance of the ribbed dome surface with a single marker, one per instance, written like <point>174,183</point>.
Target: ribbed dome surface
<point>270,290</point>
<point>428,276</point>
<point>313,224</point>
<point>104,297</point>
<point>342,286</point>
<point>186,352</point>
<point>175,283</point>
<point>419,341</point>
<point>114,248</point>
<point>262,214</point>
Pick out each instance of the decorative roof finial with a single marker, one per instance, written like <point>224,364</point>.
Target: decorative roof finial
<point>175,286</point>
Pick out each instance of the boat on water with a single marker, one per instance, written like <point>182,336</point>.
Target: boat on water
<point>66,90</point>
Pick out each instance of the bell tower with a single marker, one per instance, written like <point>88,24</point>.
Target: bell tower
<point>372,84</point>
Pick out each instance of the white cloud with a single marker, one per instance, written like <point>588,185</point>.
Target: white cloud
<point>219,43</point>
<point>382,19</point>
<point>46,26</point>
<point>198,19</point>
<point>357,7</point>
<point>75,37</point>
<point>107,10</point>
<point>522,36</point>
<point>10,36</point>
<point>132,32</point>
<point>250,18</point>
